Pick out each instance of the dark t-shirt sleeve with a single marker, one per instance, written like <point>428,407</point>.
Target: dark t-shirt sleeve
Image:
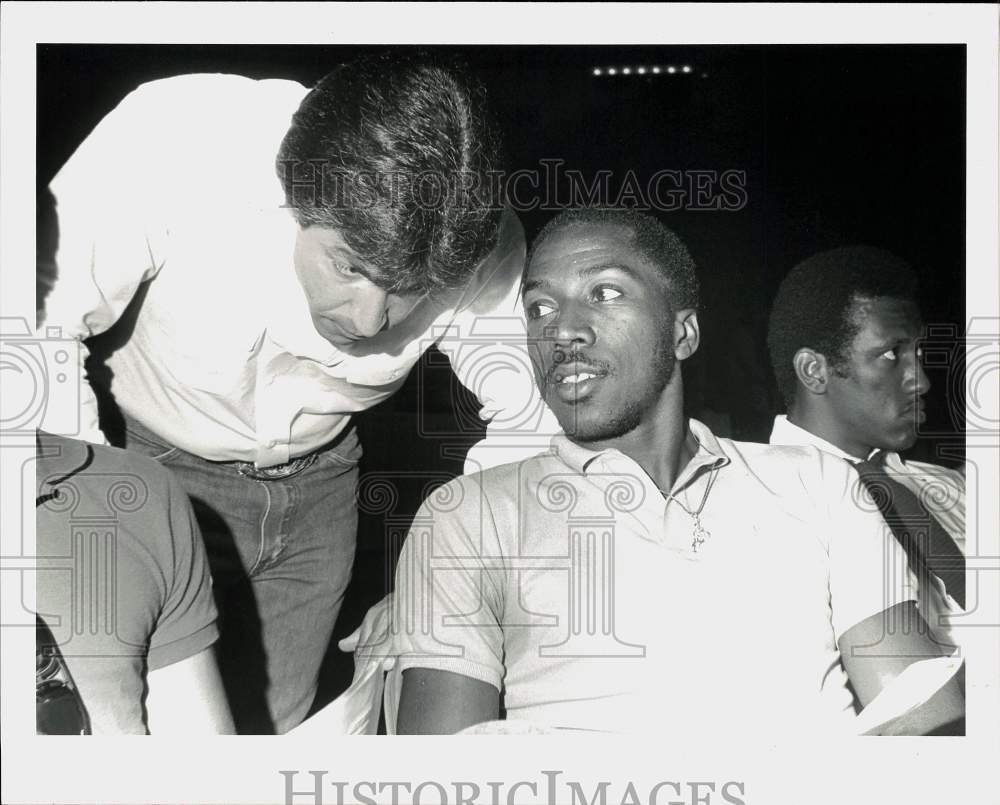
<point>186,624</point>
<point>122,579</point>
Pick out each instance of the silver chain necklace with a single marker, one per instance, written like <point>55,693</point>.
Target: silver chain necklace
<point>699,534</point>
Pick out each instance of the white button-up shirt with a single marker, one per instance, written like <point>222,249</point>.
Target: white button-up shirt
<point>174,197</point>
<point>940,489</point>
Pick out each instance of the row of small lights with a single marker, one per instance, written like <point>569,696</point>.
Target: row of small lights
<point>671,70</point>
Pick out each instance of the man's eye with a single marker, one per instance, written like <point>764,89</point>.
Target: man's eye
<point>346,269</point>
<point>605,293</point>
<point>891,354</point>
<point>538,309</point>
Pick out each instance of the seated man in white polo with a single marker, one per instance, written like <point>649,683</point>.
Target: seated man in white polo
<point>637,574</point>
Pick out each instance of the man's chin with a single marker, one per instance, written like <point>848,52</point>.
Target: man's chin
<point>584,429</point>
<point>570,417</point>
<point>334,335</point>
<point>900,442</point>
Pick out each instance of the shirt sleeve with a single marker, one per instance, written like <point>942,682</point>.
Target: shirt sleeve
<point>448,600</point>
<point>868,569</point>
<point>108,239</point>
<point>187,621</point>
<point>490,355</point>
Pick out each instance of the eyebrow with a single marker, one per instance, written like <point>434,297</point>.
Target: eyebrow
<point>884,344</point>
<point>346,254</point>
<point>892,342</point>
<point>588,271</point>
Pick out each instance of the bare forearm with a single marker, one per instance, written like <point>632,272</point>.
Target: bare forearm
<point>188,698</point>
<point>942,714</point>
<point>442,703</point>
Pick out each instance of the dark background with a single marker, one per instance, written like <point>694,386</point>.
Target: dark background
<point>840,144</point>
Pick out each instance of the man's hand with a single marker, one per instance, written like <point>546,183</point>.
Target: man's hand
<point>372,637</point>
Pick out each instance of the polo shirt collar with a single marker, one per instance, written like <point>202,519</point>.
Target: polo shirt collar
<point>578,458</point>
<point>785,432</point>
<point>708,455</point>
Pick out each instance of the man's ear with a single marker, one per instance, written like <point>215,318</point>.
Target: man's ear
<point>811,369</point>
<point>687,334</point>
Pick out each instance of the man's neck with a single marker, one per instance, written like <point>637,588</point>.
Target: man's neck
<point>661,447</point>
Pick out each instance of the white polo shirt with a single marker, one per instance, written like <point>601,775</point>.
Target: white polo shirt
<point>570,584</point>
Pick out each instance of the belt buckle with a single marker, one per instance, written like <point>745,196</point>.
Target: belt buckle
<point>277,472</point>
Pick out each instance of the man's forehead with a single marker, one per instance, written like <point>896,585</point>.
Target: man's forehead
<point>885,316</point>
<point>580,245</point>
<point>332,242</point>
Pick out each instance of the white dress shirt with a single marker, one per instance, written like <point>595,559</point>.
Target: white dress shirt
<point>177,186</point>
<point>940,489</point>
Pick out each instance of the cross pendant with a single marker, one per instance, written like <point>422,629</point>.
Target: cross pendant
<point>700,535</point>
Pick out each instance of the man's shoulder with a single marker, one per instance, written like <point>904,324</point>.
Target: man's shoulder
<point>128,474</point>
<point>929,472</point>
<point>508,476</point>
<point>791,468</point>
<point>777,456</point>
<point>199,125</point>
<point>194,89</point>
<point>497,485</point>
<point>228,108</point>
<point>136,500</point>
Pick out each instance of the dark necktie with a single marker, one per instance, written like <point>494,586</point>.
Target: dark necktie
<point>927,545</point>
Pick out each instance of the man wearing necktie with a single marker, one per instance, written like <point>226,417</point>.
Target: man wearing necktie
<point>843,337</point>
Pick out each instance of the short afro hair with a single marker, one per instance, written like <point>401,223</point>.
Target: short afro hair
<point>396,152</point>
<point>815,303</point>
<point>656,242</point>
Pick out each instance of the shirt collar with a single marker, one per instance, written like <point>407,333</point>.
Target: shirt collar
<point>785,432</point>
<point>305,342</point>
<point>709,453</point>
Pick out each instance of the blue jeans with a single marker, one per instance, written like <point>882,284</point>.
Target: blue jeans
<point>281,551</point>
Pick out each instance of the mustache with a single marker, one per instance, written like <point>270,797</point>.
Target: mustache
<point>562,357</point>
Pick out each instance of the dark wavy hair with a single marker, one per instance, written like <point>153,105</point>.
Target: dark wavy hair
<point>396,153</point>
<point>654,240</point>
<point>815,302</point>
